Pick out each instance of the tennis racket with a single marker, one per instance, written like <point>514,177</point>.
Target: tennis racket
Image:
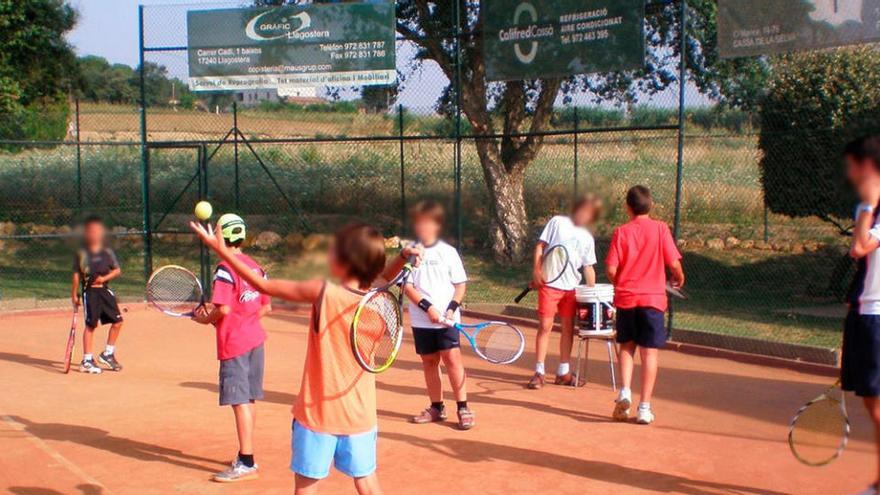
<point>175,291</point>
<point>377,326</point>
<point>554,265</point>
<point>71,341</point>
<point>675,292</point>
<point>820,429</point>
<point>495,341</point>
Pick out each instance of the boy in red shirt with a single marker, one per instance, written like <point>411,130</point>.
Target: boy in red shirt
<point>238,308</point>
<point>640,252</point>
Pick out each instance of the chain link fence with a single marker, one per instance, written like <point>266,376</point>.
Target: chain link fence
<point>300,167</point>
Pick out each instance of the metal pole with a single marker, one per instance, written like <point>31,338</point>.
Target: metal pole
<point>766,224</point>
<point>682,83</point>
<point>402,171</point>
<point>235,148</point>
<point>458,167</point>
<point>576,123</point>
<point>79,192</point>
<point>145,154</point>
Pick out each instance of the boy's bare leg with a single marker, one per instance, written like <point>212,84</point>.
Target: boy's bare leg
<point>115,329</point>
<point>872,404</point>
<point>306,486</point>
<point>649,373</point>
<point>626,358</point>
<point>457,375</point>
<point>368,485</point>
<point>245,419</point>
<point>566,340</point>
<point>431,368</point>
<point>88,339</point>
<point>542,343</point>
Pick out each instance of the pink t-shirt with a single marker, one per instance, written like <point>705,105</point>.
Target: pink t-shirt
<point>240,331</point>
<point>641,250</point>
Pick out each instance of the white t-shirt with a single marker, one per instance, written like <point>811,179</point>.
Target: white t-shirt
<point>580,245</point>
<point>869,271</point>
<point>440,269</point>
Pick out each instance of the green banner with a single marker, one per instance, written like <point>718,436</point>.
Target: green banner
<point>762,27</point>
<point>530,39</point>
<point>341,44</point>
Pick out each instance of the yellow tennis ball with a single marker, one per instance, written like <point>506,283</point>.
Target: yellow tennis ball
<point>204,210</point>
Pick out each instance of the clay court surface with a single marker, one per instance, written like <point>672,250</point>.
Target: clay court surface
<point>156,427</point>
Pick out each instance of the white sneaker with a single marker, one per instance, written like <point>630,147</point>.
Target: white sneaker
<point>644,416</point>
<point>871,490</point>
<point>622,407</point>
<point>90,366</point>
<point>237,472</point>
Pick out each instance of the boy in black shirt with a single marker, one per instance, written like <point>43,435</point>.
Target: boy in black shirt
<point>93,267</point>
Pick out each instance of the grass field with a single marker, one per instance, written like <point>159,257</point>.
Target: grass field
<point>743,291</point>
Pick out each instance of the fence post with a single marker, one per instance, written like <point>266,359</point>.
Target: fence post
<point>235,151</point>
<point>402,171</point>
<point>576,124</point>
<point>458,167</point>
<point>682,83</point>
<point>766,224</point>
<point>79,192</point>
<point>145,154</point>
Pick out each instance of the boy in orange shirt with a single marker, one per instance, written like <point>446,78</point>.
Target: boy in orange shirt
<point>335,413</point>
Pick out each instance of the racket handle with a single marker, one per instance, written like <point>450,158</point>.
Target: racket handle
<point>522,294</point>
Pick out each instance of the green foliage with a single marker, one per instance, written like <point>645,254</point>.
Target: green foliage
<point>817,103</point>
<point>588,117</point>
<point>720,117</point>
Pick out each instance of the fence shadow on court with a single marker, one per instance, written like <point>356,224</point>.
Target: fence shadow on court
<point>84,489</point>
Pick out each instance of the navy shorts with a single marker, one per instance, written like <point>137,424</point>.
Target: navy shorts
<point>860,358</point>
<point>644,326</point>
<point>433,340</point>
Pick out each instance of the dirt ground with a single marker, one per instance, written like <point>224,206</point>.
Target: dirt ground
<point>156,427</point>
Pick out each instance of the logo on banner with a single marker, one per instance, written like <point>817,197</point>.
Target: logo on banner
<point>525,38</point>
<point>269,26</point>
<point>837,12</point>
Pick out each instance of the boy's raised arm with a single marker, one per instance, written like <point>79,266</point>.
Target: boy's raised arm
<point>289,290</point>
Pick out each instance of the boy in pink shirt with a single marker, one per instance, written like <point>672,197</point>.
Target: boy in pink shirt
<point>236,313</point>
<point>641,251</point>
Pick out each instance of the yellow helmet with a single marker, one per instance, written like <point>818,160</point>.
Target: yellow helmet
<point>233,227</point>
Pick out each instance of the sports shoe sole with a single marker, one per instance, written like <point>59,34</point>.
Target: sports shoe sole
<point>247,477</point>
<point>622,410</point>
<point>108,365</point>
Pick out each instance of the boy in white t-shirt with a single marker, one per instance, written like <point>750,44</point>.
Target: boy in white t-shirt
<point>435,292</point>
<point>558,297</point>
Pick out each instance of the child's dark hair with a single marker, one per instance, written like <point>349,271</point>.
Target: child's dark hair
<point>430,209</point>
<point>361,248</point>
<point>639,200</point>
<point>235,244</point>
<point>92,219</point>
<point>864,148</point>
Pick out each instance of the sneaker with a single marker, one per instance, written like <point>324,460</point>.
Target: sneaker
<point>430,415</point>
<point>537,382</point>
<point>871,490</point>
<point>644,416</point>
<point>89,366</point>
<point>567,380</point>
<point>622,408</point>
<point>237,472</point>
<point>466,419</point>
<point>109,360</point>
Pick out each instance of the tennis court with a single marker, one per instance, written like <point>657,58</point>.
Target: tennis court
<point>156,426</point>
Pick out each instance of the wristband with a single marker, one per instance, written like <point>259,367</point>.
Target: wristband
<point>866,208</point>
<point>425,305</point>
<point>453,305</point>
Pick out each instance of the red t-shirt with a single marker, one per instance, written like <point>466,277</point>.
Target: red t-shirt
<point>641,250</point>
<point>240,331</point>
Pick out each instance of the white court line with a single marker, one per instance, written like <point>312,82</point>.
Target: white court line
<point>54,454</point>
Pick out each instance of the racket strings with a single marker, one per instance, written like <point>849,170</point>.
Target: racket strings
<point>174,290</point>
<point>499,343</point>
<point>819,432</point>
<point>378,329</point>
<point>554,264</point>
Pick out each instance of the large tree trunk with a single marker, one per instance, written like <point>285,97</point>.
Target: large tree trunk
<point>509,227</point>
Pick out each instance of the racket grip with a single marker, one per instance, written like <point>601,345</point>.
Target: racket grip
<point>522,294</point>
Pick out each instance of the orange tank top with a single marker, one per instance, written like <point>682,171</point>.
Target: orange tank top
<point>337,396</point>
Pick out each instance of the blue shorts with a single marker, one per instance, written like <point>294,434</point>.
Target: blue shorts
<point>313,452</point>
<point>434,340</point>
<point>860,357</point>
<point>644,326</point>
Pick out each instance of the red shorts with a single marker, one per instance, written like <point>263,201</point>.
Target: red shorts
<point>556,301</point>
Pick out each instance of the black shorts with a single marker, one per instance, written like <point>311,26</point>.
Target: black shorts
<point>433,340</point>
<point>644,326</point>
<point>860,357</point>
<point>100,307</point>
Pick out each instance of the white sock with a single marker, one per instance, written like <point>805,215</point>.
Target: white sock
<point>539,368</point>
<point>644,406</point>
<point>87,357</point>
<point>562,369</point>
<point>110,349</point>
<point>625,393</point>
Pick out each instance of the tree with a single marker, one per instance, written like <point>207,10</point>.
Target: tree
<point>37,68</point>
<point>816,103</point>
